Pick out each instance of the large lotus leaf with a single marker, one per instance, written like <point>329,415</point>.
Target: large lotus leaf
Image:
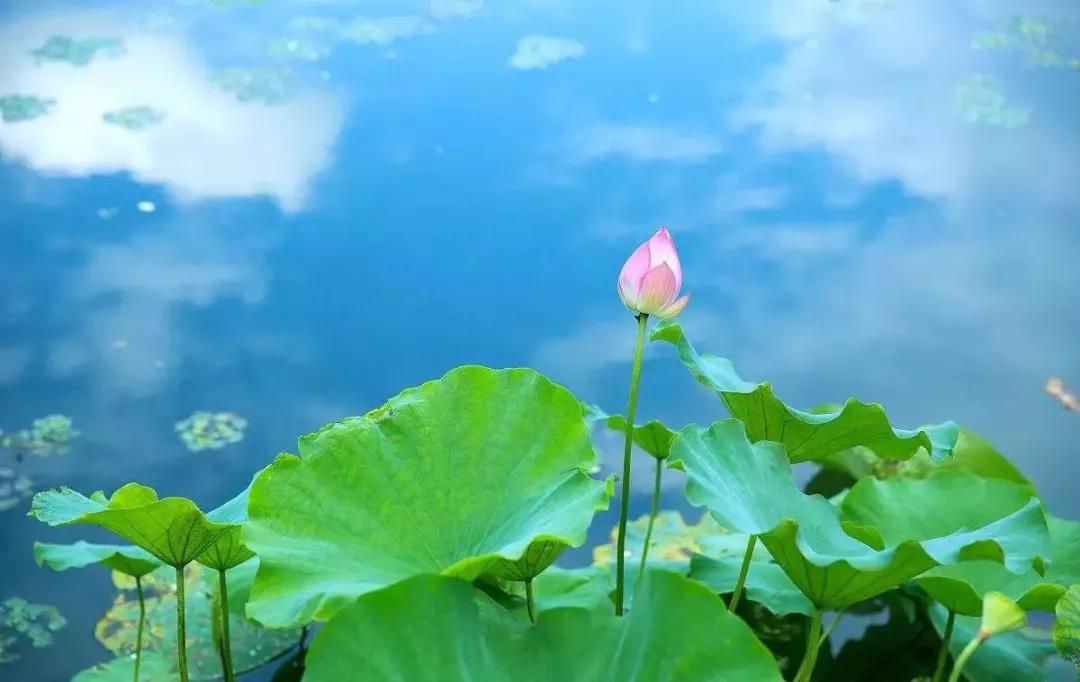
<point>228,551</point>
<point>430,629</point>
<point>481,471</point>
<point>972,454</point>
<point>172,529</point>
<point>885,532</point>
<point>961,587</point>
<point>766,583</point>
<point>126,559</point>
<point>806,436</point>
<point>1067,626</point>
<point>154,667</point>
<point>252,646</point>
<point>1020,656</point>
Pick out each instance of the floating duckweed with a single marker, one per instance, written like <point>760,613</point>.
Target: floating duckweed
<point>78,51</point>
<point>211,430</point>
<point>268,86</point>
<point>302,49</point>
<point>20,619</point>
<point>981,102</point>
<point>48,435</point>
<point>134,118</point>
<point>14,488</point>
<point>15,108</point>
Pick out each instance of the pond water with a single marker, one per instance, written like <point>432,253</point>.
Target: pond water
<point>291,210</point>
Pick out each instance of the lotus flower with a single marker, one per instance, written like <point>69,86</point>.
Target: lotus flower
<point>650,281</point>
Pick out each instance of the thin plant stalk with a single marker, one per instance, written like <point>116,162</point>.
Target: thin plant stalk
<point>743,570</point>
<point>813,643</point>
<point>962,659</point>
<point>943,654</point>
<point>142,620</point>
<point>631,407</point>
<point>828,630</point>
<point>226,643</point>
<point>652,515</point>
<point>181,628</point>
<point>530,600</point>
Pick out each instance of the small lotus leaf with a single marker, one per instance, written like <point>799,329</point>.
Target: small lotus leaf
<point>653,436</point>
<point>806,436</point>
<point>126,559</point>
<point>172,529</point>
<point>228,551</point>
<point>885,532</point>
<point>481,471</point>
<point>1067,626</point>
<point>676,631</point>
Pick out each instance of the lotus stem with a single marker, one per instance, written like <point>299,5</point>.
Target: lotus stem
<point>652,516</point>
<point>530,600</point>
<point>943,655</point>
<point>142,620</point>
<point>181,628</point>
<point>624,510</point>
<point>828,630</point>
<point>226,644</point>
<point>813,643</point>
<point>962,659</point>
<point>743,570</point>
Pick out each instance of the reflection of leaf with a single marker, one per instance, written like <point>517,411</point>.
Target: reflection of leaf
<point>899,650</point>
<point>1067,626</point>
<point>885,532</point>
<point>673,541</point>
<point>172,529</point>
<point>481,471</point>
<point>128,560</point>
<point>677,631</point>
<point>154,667</point>
<point>1018,656</point>
<point>806,436</point>
<point>20,619</point>
<point>961,587</point>
<point>252,645</point>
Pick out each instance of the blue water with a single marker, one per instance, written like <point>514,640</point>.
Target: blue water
<point>870,198</point>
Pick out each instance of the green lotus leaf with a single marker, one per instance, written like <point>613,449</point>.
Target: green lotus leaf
<point>972,454</point>
<point>172,529</point>
<point>430,629</point>
<point>653,436</point>
<point>766,583</point>
<point>154,667</point>
<point>1067,626</point>
<point>126,559</point>
<point>252,646</point>
<point>481,471</point>
<point>1021,656</point>
<point>806,436</point>
<point>961,587</point>
<point>883,533</point>
<point>228,551</point>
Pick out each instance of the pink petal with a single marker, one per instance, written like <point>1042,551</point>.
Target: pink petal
<point>674,308</point>
<point>662,250</point>
<point>632,273</point>
<point>657,290</point>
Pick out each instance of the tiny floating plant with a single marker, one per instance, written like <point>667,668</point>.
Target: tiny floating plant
<point>211,430</point>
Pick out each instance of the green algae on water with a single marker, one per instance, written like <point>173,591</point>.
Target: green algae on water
<point>134,118</point>
<point>211,430</point>
<point>15,488</point>
<point>16,108</point>
<point>48,435</point>
<point>22,620</point>
<point>78,51</point>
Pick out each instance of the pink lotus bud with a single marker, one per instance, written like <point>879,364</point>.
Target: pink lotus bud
<point>650,281</point>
